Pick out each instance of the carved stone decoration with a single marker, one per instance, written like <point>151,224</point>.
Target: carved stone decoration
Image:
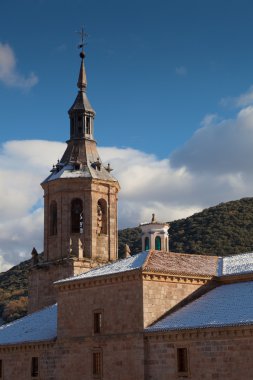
<point>127,251</point>
<point>35,257</point>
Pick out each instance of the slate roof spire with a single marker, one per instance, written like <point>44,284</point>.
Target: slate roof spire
<point>81,158</point>
<point>82,79</point>
<point>81,112</point>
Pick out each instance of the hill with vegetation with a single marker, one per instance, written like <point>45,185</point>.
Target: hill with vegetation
<point>14,292</point>
<point>222,230</point>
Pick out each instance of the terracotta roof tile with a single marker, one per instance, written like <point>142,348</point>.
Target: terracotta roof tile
<point>181,264</point>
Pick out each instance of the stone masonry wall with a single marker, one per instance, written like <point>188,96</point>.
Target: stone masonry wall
<point>41,292</point>
<point>41,289</point>
<point>160,295</point>
<point>16,361</point>
<point>82,245</point>
<point>122,358</point>
<point>72,358</point>
<point>119,298</point>
<point>221,354</point>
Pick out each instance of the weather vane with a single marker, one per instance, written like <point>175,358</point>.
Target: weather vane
<point>83,35</point>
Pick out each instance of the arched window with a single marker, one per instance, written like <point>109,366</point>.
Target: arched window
<point>147,245</point>
<point>158,243</point>
<point>102,217</point>
<point>53,218</point>
<point>77,216</point>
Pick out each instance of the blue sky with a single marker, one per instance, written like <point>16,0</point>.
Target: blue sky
<point>155,68</point>
<point>172,86</point>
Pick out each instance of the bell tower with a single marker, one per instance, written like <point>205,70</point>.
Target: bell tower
<point>80,206</point>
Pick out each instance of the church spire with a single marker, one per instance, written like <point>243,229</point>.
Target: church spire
<point>81,113</point>
<point>81,154</point>
<point>82,80</point>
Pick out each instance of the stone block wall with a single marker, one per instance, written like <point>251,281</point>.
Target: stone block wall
<point>224,353</point>
<point>63,243</point>
<point>41,289</point>
<point>17,361</point>
<point>122,357</point>
<point>161,293</point>
<point>119,298</point>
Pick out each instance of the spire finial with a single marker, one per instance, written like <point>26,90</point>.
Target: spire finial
<point>82,81</point>
<point>83,35</point>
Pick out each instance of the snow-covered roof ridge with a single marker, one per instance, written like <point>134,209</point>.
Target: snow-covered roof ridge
<point>238,264</point>
<point>156,261</point>
<point>211,310</point>
<point>119,266</point>
<point>173,263</point>
<point>38,326</point>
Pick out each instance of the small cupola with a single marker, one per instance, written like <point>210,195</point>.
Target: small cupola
<point>81,113</point>
<point>155,235</point>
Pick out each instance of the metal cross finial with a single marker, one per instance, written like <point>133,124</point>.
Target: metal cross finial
<point>83,35</point>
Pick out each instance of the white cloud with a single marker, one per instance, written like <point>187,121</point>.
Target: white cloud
<point>242,100</point>
<point>214,166</point>
<point>181,71</point>
<point>23,165</point>
<point>221,149</point>
<point>8,71</point>
<point>209,119</point>
<point>148,185</point>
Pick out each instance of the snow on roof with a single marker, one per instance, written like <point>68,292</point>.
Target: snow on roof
<point>38,326</point>
<point>68,171</point>
<point>174,263</point>
<point>124,265</point>
<point>227,305</point>
<point>238,264</point>
<point>87,171</point>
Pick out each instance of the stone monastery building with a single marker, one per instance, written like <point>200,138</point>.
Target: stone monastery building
<point>157,315</point>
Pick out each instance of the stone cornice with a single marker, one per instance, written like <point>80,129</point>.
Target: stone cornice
<point>57,186</point>
<point>231,278</point>
<point>180,278</point>
<point>130,276</point>
<point>72,260</point>
<point>208,333</point>
<point>117,278</point>
<point>27,346</point>
<point>102,338</point>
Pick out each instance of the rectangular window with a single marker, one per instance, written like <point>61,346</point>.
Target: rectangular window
<point>182,361</point>
<point>1,369</point>
<point>97,322</point>
<point>87,125</point>
<point>35,367</point>
<point>97,364</point>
